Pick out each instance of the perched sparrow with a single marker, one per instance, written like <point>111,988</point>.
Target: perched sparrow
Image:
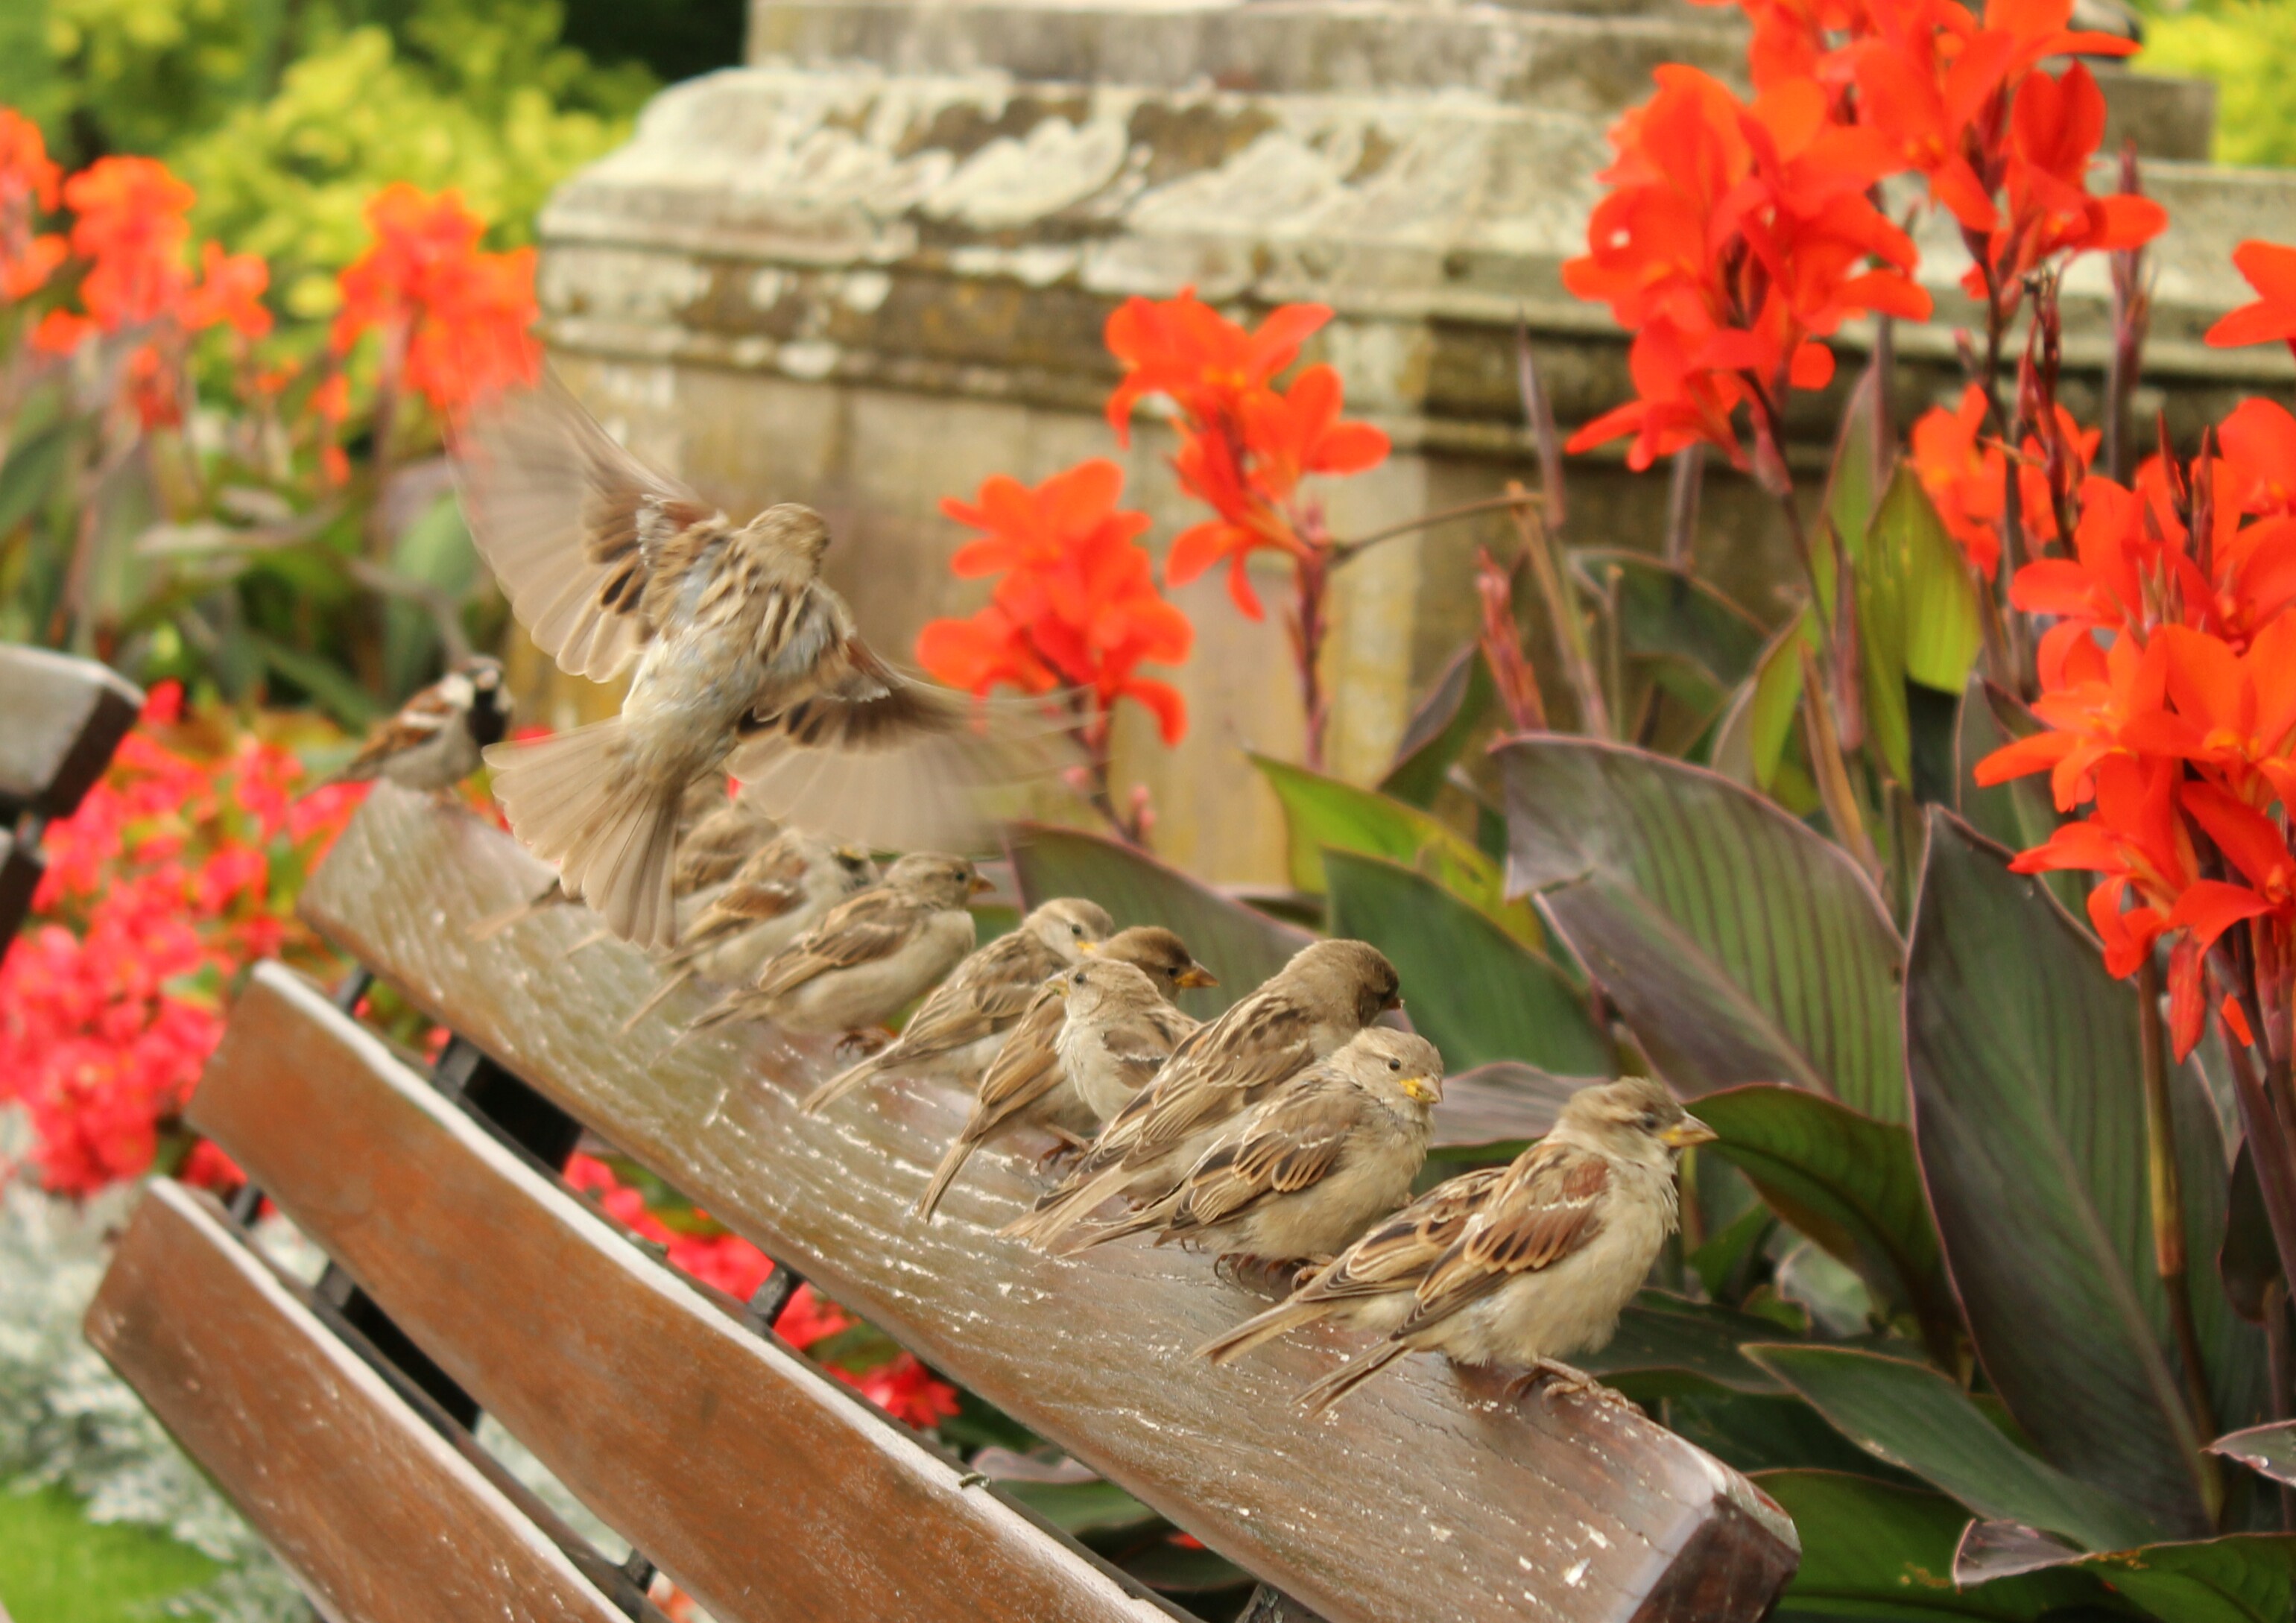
<point>1109,1023</point>
<point>1371,1284</point>
<point>433,742</point>
<point>1329,991</point>
<point>782,890</point>
<point>725,833</point>
<point>1561,1246</point>
<point>869,955</point>
<point>1315,1163</point>
<point>745,659</point>
<point>959,1029</point>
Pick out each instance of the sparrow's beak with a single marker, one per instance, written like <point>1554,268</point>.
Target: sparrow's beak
<point>1394,1001</point>
<point>982,885</point>
<point>1687,1132</point>
<point>1087,948</point>
<point>1195,975</point>
<point>1060,987</point>
<point>1427,1090</point>
<point>852,852</point>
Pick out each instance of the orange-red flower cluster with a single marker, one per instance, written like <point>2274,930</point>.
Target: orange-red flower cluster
<point>1733,238</point>
<point>1076,601</point>
<point>1963,472</point>
<point>2168,689</point>
<point>177,869</point>
<point>1245,445</point>
<point>2271,270</point>
<point>454,316</point>
<point>27,189</point>
<point>902,1387</point>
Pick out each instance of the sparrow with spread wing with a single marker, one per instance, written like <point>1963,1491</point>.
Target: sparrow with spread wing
<point>959,1029</point>
<point>1370,1286</point>
<point>782,890</point>
<point>744,660</point>
<point>435,740</point>
<point>1314,1164</point>
<point>1328,992</point>
<point>1090,1039</point>
<point>714,834</point>
<point>868,956</point>
<point>1543,1270</point>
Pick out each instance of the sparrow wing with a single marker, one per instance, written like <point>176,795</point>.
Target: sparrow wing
<point>1397,1254</point>
<point>889,759</point>
<point>441,705</point>
<point>874,924</point>
<point>1291,1143</point>
<point>988,991</point>
<point>1026,1068</point>
<point>1549,1206</point>
<point>571,524</point>
<point>1214,1072</point>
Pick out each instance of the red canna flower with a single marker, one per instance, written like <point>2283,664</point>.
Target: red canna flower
<point>1075,603</point>
<point>2271,270</point>
<point>1964,476</point>
<point>2054,129</point>
<point>27,189</point>
<point>2257,474</point>
<point>1185,350</point>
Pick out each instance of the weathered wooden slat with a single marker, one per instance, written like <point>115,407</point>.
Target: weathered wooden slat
<point>765,1489</point>
<point>377,1516</point>
<point>1432,1496</point>
<point>60,718</point>
<point>20,870</point>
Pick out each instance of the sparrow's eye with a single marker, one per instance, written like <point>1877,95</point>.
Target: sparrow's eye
<point>1395,1065</point>
<point>1076,979</point>
<point>1075,930</point>
<point>1650,1122</point>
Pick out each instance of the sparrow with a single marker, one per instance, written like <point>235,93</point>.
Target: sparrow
<point>782,890</point>
<point>1559,1248</point>
<point>1328,992</point>
<point>1090,1037</point>
<point>434,742</point>
<point>744,660</point>
<point>705,803</point>
<point>716,834</point>
<point>1314,1164</point>
<point>961,1026</point>
<point>1371,1284</point>
<point>869,955</point>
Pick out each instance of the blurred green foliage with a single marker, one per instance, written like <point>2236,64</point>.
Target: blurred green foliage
<point>2249,48</point>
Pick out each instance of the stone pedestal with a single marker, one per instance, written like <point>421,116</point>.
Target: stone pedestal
<point>871,267</point>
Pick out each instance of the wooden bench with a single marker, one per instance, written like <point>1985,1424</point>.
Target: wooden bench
<point>61,719</point>
<point>765,1489</point>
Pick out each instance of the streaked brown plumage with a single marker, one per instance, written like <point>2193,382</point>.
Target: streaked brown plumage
<point>869,955</point>
<point>744,660</point>
<point>961,1026</point>
<point>704,803</point>
<point>1328,992</point>
<point>1312,1165</point>
<point>1543,1270</point>
<point>780,890</point>
<point>434,741</point>
<point>1130,1028</point>
<point>1371,1284</point>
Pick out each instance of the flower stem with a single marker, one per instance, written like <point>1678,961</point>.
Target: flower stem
<point>1562,613</point>
<point>2169,1248</point>
<point>1833,787</point>
<point>1310,626</point>
<point>1517,497</point>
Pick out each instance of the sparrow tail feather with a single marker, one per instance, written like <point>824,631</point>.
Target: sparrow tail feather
<point>1259,1330</point>
<point>659,994</point>
<point>1345,1379</point>
<point>843,1083</point>
<point>572,800</point>
<point>1061,1211</point>
<point>951,1164</point>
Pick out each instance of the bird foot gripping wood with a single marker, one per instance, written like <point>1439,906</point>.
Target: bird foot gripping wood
<point>861,1044</point>
<point>1551,1378</point>
<point>1268,1275</point>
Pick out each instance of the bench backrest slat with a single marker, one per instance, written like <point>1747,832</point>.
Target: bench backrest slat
<point>704,1444</point>
<point>60,718</point>
<point>377,1517</point>
<point>1430,1496</point>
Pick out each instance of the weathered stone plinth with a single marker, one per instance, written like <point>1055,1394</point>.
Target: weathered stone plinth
<point>873,267</point>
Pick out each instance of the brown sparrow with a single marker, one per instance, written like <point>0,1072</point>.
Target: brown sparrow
<point>1329,991</point>
<point>869,955</point>
<point>1089,1040</point>
<point>705,803</point>
<point>434,742</point>
<point>1370,1286</point>
<point>961,1026</point>
<point>1542,1272</point>
<point>782,890</point>
<point>745,660</point>
<point>1314,1164</point>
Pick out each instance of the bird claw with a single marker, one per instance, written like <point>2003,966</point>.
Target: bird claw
<point>1552,1379</point>
<point>1270,1275</point>
<point>861,1044</point>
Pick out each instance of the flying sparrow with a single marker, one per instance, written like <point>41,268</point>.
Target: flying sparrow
<point>868,956</point>
<point>705,803</point>
<point>1329,991</point>
<point>1089,1040</point>
<point>744,660</point>
<point>1370,1286</point>
<point>959,1029</point>
<point>433,742</point>
<point>782,890</point>
<point>1541,1272</point>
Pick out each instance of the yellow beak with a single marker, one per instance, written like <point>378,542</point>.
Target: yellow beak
<point>981,885</point>
<point>1427,1090</point>
<point>1196,975</point>
<point>1087,948</point>
<point>1687,1132</point>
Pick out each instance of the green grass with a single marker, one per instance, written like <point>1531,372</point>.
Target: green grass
<point>56,1567</point>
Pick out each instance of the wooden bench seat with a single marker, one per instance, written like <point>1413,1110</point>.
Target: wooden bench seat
<point>767,1489</point>
<point>61,720</point>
